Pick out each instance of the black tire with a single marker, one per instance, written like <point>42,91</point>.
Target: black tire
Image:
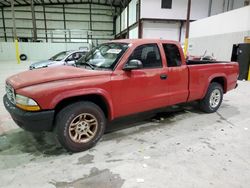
<point>205,104</point>
<point>67,115</point>
<point>23,57</point>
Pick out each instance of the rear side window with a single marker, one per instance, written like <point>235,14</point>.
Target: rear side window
<point>148,54</point>
<point>173,55</point>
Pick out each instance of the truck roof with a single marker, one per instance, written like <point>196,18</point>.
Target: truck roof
<point>143,41</point>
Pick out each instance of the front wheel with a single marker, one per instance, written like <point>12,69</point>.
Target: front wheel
<point>213,98</point>
<point>79,126</point>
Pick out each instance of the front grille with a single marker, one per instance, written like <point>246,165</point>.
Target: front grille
<point>10,93</point>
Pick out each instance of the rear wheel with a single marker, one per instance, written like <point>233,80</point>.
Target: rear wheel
<point>79,126</point>
<point>213,98</point>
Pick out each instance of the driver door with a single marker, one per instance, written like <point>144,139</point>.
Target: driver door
<point>146,88</point>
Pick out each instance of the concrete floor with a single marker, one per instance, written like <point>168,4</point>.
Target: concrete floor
<point>182,149</point>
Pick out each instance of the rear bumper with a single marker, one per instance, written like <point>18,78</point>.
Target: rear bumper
<point>30,121</point>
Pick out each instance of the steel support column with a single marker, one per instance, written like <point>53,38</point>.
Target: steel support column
<point>64,24</point>
<point>33,21</point>
<point>140,26</point>
<point>14,32</point>
<point>180,30</point>
<point>90,19</point>
<point>4,28</point>
<point>232,5</point>
<point>228,3</point>
<point>223,5</point>
<point>187,28</point>
<point>120,21</point>
<point>210,7</point>
<point>114,22</point>
<point>128,21</point>
<point>45,22</point>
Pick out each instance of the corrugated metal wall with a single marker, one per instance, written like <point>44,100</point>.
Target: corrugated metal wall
<point>77,23</point>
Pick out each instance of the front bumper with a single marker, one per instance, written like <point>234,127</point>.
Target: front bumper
<point>30,121</point>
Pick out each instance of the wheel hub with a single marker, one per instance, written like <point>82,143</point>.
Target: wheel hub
<point>215,98</point>
<point>83,128</point>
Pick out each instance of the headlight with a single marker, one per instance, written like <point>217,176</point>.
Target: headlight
<point>26,103</point>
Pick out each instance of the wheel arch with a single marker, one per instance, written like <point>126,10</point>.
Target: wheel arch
<point>100,100</point>
<point>222,81</point>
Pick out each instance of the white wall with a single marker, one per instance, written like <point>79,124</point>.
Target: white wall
<point>152,9</point>
<point>133,33</point>
<point>217,34</point>
<point>238,4</point>
<point>219,45</point>
<point>228,22</point>
<point>124,19</point>
<point>117,25</point>
<point>132,12</point>
<point>35,51</point>
<point>161,30</point>
<point>217,7</point>
<point>199,8</point>
<point>128,18</point>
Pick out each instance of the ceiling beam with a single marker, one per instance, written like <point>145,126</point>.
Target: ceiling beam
<point>2,4</point>
<point>51,3</point>
<point>18,2</point>
<point>26,2</point>
<point>123,3</point>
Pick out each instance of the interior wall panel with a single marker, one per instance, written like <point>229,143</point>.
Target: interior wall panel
<point>152,9</point>
<point>77,17</point>
<point>161,30</point>
<point>218,33</point>
<point>132,12</point>
<point>117,25</point>
<point>133,33</point>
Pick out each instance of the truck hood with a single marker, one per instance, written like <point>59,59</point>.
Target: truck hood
<point>39,76</point>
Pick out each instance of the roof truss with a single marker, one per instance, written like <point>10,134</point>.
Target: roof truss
<point>112,3</point>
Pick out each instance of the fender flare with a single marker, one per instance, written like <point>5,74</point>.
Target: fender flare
<point>82,92</point>
<point>210,78</point>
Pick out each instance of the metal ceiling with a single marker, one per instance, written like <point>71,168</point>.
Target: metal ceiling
<point>115,3</point>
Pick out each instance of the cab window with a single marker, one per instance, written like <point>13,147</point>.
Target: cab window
<point>172,54</point>
<point>148,54</point>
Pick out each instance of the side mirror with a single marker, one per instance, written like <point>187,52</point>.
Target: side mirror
<point>133,64</point>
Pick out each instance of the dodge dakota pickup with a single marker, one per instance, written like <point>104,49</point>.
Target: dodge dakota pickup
<point>115,79</point>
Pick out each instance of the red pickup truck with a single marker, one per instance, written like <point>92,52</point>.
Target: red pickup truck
<point>115,79</point>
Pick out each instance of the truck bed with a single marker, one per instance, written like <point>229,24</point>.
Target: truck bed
<point>201,73</point>
<point>198,62</point>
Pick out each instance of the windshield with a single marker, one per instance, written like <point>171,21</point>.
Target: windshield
<point>104,56</point>
<point>60,56</point>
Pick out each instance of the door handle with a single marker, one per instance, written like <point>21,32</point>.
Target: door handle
<point>163,76</point>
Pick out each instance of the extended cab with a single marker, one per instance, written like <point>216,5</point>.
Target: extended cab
<point>115,79</point>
